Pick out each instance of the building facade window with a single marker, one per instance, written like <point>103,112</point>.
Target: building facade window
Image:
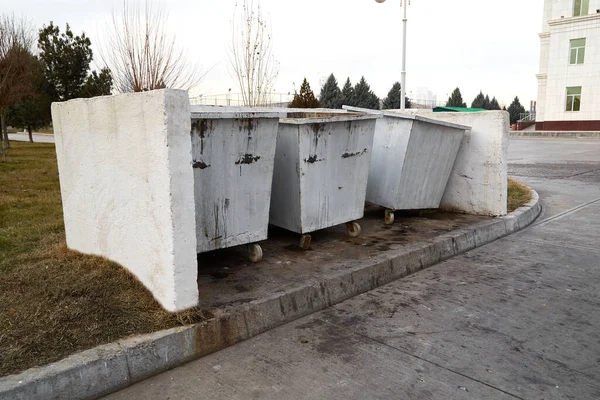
<point>574,98</point>
<point>581,7</point>
<point>577,52</point>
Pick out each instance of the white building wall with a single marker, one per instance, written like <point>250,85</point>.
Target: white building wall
<point>562,74</point>
<point>557,9</point>
<point>128,189</point>
<point>556,73</point>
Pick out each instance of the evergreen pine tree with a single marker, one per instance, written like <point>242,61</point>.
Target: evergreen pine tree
<point>306,98</point>
<point>486,102</point>
<point>66,59</point>
<point>97,84</point>
<point>392,101</point>
<point>347,92</point>
<point>515,110</point>
<point>479,101</point>
<point>364,97</point>
<point>494,104</point>
<point>331,95</point>
<point>456,100</point>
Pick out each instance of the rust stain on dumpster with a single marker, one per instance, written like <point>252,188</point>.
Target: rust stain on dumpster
<point>247,124</point>
<point>200,164</point>
<point>201,127</point>
<point>358,153</point>
<point>247,159</point>
<point>313,159</point>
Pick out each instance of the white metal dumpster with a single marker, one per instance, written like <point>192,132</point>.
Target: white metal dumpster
<point>232,155</point>
<point>412,160</point>
<point>321,170</point>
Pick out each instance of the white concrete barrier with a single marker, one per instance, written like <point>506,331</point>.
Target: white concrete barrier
<point>127,187</point>
<point>478,181</point>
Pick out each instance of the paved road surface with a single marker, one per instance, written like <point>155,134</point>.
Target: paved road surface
<point>38,138</point>
<point>516,319</point>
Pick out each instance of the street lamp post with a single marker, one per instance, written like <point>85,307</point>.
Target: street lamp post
<point>403,3</point>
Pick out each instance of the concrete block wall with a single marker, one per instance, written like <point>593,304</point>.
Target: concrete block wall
<point>478,181</point>
<point>127,187</point>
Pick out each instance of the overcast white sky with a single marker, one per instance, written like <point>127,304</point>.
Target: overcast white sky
<point>476,45</point>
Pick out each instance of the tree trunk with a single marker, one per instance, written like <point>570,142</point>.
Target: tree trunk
<point>3,135</point>
<point>3,129</point>
<point>30,134</point>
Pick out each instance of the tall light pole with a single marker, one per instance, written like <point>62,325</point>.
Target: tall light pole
<point>403,3</point>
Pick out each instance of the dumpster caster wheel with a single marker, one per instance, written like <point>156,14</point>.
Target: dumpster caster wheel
<point>389,217</point>
<point>353,229</point>
<point>305,241</point>
<point>255,252</point>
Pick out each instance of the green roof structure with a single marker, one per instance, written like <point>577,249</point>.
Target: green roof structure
<point>457,109</point>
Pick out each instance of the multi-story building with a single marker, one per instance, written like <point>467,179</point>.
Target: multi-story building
<point>424,98</point>
<point>569,77</point>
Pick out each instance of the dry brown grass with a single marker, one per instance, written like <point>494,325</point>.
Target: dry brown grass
<point>518,195</point>
<point>53,301</point>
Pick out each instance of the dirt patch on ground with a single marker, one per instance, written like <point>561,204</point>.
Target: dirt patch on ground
<point>227,277</point>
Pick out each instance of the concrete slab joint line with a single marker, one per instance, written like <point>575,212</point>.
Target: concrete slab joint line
<point>111,367</point>
<point>561,135</point>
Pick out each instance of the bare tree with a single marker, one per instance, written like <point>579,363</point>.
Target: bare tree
<point>142,55</point>
<point>251,54</point>
<point>16,42</point>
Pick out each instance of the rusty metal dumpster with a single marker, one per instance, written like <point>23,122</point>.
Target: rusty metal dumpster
<point>233,155</point>
<point>412,160</point>
<point>321,170</point>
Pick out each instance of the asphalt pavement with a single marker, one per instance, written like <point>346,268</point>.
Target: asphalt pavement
<point>515,319</point>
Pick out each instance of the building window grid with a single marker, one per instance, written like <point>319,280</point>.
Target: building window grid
<point>581,7</point>
<point>577,51</point>
<point>573,98</point>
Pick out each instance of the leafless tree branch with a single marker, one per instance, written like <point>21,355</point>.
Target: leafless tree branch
<point>251,58</point>
<point>142,55</point>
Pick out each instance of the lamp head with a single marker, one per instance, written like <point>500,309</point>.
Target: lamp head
<point>380,1</point>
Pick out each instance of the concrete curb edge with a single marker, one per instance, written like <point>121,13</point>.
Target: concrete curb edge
<point>107,368</point>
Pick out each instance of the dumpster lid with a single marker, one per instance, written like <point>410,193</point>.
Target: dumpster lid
<point>225,112</point>
<point>407,115</point>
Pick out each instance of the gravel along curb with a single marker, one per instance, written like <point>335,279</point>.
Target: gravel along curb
<point>108,368</point>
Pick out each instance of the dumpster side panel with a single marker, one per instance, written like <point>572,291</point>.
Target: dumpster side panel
<point>285,196</point>
<point>430,156</point>
<point>233,169</point>
<point>334,167</point>
<point>389,151</point>
<point>127,187</point>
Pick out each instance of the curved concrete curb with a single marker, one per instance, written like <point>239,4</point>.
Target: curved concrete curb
<point>108,368</point>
